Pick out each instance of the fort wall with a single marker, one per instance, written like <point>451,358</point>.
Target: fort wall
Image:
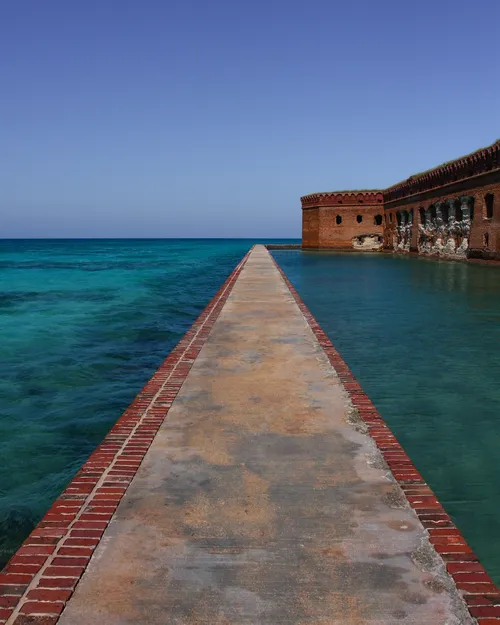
<point>343,220</point>
<point>451,211</point>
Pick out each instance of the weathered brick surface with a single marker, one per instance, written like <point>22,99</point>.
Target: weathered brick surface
<point>310,228</point>
<point>477,188</point>
<point>333,235</point>
<point>357,211</point>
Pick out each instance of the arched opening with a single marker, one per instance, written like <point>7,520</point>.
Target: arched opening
<point>378,220</point>
<point>433,212</point>
<point>338,219</point>
<point>359,218</point>
<point>489,200</point>
<point>458,211</point>
<point>445,212</point>
<point>421,213</point>
<point>398,217</point>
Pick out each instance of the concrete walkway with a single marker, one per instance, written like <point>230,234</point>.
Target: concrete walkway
<point>258,502</point>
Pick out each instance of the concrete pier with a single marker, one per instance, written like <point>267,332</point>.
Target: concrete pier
<point>263,499</point>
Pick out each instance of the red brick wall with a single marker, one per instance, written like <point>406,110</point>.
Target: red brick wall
<point>340,236</point>
<point>310,227</point>
<point>319,220</point>
<point>480,246</point>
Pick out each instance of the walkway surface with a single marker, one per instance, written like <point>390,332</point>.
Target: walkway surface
<point>258,501</point>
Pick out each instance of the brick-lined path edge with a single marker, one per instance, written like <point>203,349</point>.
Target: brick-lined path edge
<point>480,593</point>
<point>41,576</point>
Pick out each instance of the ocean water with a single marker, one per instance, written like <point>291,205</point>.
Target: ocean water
<point>423,339</point>
<point>83,325</point>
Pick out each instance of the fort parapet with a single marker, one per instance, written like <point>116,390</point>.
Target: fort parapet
<point>449,211</point>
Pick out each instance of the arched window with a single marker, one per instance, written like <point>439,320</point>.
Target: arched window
<point>378,220</point>
<point>359,218</point>
<point>445,213</point>
<point>338,219</point>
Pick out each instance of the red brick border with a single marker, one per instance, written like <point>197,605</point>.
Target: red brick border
<point>480,593</point>
<point>41,576</point>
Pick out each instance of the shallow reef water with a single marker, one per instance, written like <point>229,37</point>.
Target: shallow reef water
<point>423,339</point>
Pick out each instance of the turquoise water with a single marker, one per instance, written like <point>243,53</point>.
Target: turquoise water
<point>423,339</point>
<point>83,325</point>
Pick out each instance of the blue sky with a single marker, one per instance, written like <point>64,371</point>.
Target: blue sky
<point>193,118</point>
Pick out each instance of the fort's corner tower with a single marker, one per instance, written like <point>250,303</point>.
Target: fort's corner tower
<point>343,220</point>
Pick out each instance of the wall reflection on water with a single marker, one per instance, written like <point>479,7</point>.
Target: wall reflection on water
<point>423,338</point>
<point>454,276</point>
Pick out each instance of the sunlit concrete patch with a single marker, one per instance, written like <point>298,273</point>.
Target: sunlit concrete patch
<point>259,500</point>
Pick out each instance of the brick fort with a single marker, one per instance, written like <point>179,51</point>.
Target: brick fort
<point>449,211</point>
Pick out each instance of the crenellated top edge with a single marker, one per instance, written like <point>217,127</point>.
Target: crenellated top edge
<point>478,162</point>
<point>348,198</point>
<point>473,157</point>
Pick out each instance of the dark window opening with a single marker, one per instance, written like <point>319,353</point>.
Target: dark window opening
<point>359,218</point>
<point>378,220</point>
<point>390,217</point>
<point>360,201</point>
<point>340,202</point>
<point>445,212</point>
<point>411,215</point>
<point>486,239</point>
<point>422,216</point>
<point>338,219</point>
<point>398,217</point>
<point>458,211</point>
<point>489,200</point>
<point>433,212</point>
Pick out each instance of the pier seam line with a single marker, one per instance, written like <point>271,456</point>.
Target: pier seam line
<point>79,500</point>
<point>480,594</point>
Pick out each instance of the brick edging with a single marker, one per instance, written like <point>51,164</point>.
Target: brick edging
<point>41,576</point>
<point>480,593</point>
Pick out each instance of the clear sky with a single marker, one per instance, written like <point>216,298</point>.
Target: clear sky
<point>192,118</point>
